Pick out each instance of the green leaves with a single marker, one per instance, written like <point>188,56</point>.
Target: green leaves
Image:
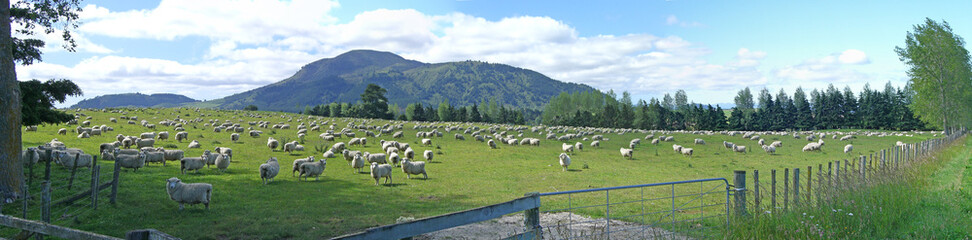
<point>38,100</point>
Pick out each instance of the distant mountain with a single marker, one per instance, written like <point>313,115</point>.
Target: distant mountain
<point>134,100</point>
<point>344,78</point>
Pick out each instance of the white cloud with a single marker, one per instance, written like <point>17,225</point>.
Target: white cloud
<point>258,42</point>
<point>853,56</point>
<point>674,21</point>
<point>671,20</point>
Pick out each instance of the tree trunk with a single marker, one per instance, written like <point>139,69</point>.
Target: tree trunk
<point>11,168</point>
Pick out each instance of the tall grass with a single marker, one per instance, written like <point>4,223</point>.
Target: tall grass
<point>885,206</point>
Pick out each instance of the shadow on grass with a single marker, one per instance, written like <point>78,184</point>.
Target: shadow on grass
<point>574,170</point>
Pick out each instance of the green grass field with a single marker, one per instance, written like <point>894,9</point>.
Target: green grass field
<point>465,174</point>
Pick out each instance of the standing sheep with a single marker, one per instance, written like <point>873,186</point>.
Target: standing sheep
<point>769,149</point>
<point>627,152</point>
<point>194,144</point>
<point>163,136</point>
<point>269,170</point>
<point>234,137</point>
<point>298,162</point>
<point>381,171</point>
<point>191,193</point>
<point>272,144</point>
<point>739,148</point>
<point>223,162</point>
<point>699,141</point>
<point>491,144</point>
<point>848,148</point>
<point>564,161</point>
<point>131,161</point>
<point>357,162</point>
<point>224,150</point>
<point>596,144</point>
<point>687,151</point>
<point>427,142</point>
<point>192,163</point>
<point>428,155</point>
<point>312,169</point>
<point>413,168</point>
<point>181,136</point>
<point>567,147</point>
<point>579,146</point>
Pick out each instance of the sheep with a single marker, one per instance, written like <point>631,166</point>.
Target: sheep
<point>194,144</point>
<point>739,148</point>
<point>73,159</point>
<point>152,157</point>
<point>427,142</point>
<point>145,142</point>
<point>181,136</point>
<point>848,148</point>
<point>192,163</point>
<point>131,161</point>
<point>596,144</point>
<point>460,137</point>
<point>84,135</point>
<point>845,138</point>
<point>428,155</point>
<point>491,144</point>
<point>728,145</point>
<point>535,142</point>
<point>669,138</point>
<point>564,161</point>
<point>414,168</point>
<point>173,155</point>
<point>338,147</point>
<point>677,148</point>
<point>272,144</point>
<point>567,147</point>
<point>777,144</point>
<point>357,162</point>
<point>349,155</point>
<point>375,158</point>
<point>627,152</point>
<point>191,193</point>
<point>687,151</point>
<point>655,141</point>
<point>62,131</point>
<point>30,155</point>
<point>769,149</point>
<point>234,137</point>
<point>635,142</point>
<point>312,169</point>
<point>269,170</point>
<point>298,162</point>
<point>761,142</point>
<point>381,171</point>
<point>327,154</point>
<point>394,158</point>
<point>223,162</point>
<point>699,141</point>
<point>224,150</point>
<point>290,147</point>
<point>147,135</point>
<point>163,136</point>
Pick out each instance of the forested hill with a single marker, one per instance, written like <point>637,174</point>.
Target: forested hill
<point>344,78</point>
<point>134,100</point>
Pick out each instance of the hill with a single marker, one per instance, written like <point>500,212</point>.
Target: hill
<point>344,77</point>
<point>134,100</point>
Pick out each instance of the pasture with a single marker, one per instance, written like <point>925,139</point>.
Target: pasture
<point>465,173</point>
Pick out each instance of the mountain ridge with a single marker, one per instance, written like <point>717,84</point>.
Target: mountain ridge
<point>134,100</point>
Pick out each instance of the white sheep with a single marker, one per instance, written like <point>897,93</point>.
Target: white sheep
<point>290,147</point>
<point>269,170</point>
<point>491,144</point>
<point>427,142</point>
<point>627,152</point>
<point>131,161</point>
<point>327,154</point>
<point>181,136</point>
<point>686,151</point>
<point>223,162</point>
<point>312,169</point>
<point>677,148</point>
<point>189,193</point>
<point>381,171</point>
<point>84,135</point>
<point>428,155</point>
<point>194,144</point>
<point>848,148</point>
<point>298,162</point>
<point>163,136</point>
<point>409,153</point>
<point>151,157</point>
<point>699,141</point>
<point>579,146</point>
<point>272,144</point>
<point>394,158</point>
<point>62,131</point>
<point>655,141</point>
<point>234,137</point>
<point>339,146</point>
<point>413,168</point>
<point>567,147</point>
<point>761,142</point>
<point>357,162</point>
<point>73,158</point>
<point>192,163</point>
<point>777,144</point>
<point>564,161</point>
<point>375,158</point>
<point>769,149</point>
<point>739,148</point>
<point>596,144</point>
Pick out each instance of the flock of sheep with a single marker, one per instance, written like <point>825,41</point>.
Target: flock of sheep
<point>134,152</point>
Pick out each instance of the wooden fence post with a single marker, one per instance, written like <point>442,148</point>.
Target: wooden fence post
<point>74,169</point>
<point>756,194</point>
<point>46,202</point>
<point>786,189</point>
<point>114,184</point>
<point>809,185</point>
<point>531,218</point>
<point>819,183</point>
<point>773,190</point>
<point>796,187</point>
<point>96,171</point>
<point>836,178</point>
<point>739,181</point>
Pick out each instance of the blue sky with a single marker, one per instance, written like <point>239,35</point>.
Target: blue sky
<point>711,49</point>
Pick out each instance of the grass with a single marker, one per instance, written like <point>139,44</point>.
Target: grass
<point>929,201</point>
<point>464,175</point>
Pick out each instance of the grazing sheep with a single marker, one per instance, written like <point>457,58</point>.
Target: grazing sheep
<point>349,155</point>
<point>635,142</point>
<point>140,143</point>
<point>191,193</point>
<point>769,149</point>
<point>564,161</point>
<point>845,138</point>
<point>460,137</point>
<point>192,163</point>
<point>428,155</point>
<point>223,162</point>
<point>290,147</point>
<point>357,162</point>
<point>655,141</point>
<point>414,168</point>
<point>579,146</point>
<point>62,131</point>
<point>224,150</point>
<point>699,141</point>
<point>194,144</point>
<point>298,162</point>
<point>394,158</point>
<point>427,142</point>
<point>152,157</point>
<point>381,171</point>
<point>596,144</point>
<point>686,151</point>
<point>269,170</point>
<point>777,144</point>
<point>163,136</point>
<point>491,144</point>
<point>132,161</point>
<point>31,156</point>
<point>312,169</point>
<point>181,136</point>
<point>173,155</point>
<point>327,154</point>
<point>728,145</point>
<point>375,158</point>
<point>234,137</point>
<point>84,135</point>
<point>848,148</point>
<point>147,135</point>
<point>567,147</point>
<point>669,138</point>
<point>272,144</point>
<point>739,148</point>
<point>73,158</point>
<point>338,147</point>
<point>761,142</point>
<point>627,152</point>
<point>677,148</point>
